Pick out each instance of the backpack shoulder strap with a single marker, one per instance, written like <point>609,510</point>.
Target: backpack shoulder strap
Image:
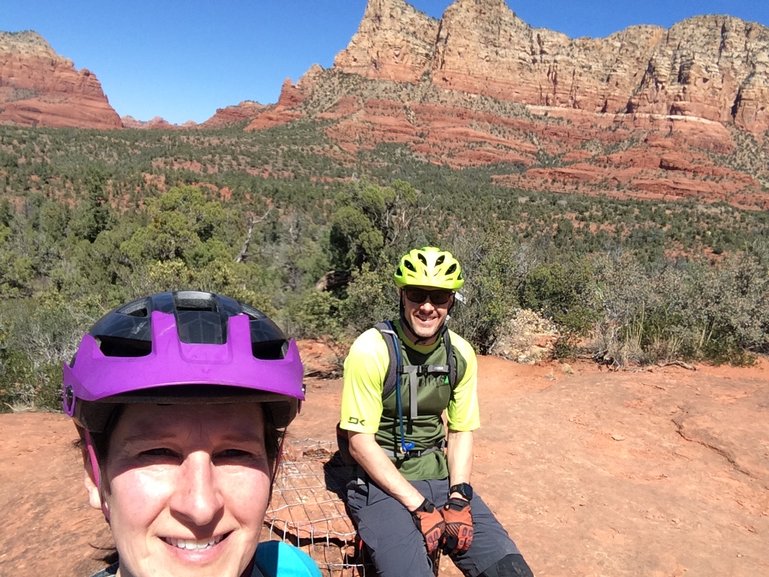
<point>451,358</point>
<point>395,367</point>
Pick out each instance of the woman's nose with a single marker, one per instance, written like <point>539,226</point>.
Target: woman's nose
<point>197,497</point>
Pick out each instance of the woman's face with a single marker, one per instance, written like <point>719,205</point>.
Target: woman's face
<point>186,489</point>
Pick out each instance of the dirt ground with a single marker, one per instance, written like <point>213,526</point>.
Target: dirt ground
<point>655,472</point>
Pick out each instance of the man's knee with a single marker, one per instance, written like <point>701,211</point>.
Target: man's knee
<point>509,566</point>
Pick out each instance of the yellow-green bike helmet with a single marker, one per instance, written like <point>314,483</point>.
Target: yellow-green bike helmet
<point>429,267</point>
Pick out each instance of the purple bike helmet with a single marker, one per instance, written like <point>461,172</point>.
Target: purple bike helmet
<point>183,347</point>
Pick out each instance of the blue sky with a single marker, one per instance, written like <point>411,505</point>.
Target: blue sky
<point>183,59</point>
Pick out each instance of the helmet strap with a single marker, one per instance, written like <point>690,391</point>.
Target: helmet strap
<point>278,460</point>
<point>92,459</point>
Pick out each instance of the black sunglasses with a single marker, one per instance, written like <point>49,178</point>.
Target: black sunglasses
<point>418,296</point>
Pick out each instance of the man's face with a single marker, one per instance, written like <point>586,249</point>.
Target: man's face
<point>186,489</point>
<point>425,310</point>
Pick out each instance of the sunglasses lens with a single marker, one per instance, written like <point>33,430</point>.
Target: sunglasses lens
<point>415,296</point>
<point>418,296</point>
<point>440,297</point>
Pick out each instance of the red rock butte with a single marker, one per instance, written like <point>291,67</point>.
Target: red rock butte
<point>40,88</point>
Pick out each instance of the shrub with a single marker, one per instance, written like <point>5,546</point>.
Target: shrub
<point>493,264</point>
<point>314,314</point>
<point>38,337</point>
<point>728,309</point>
<point>371,297</point>
<point>632,315</point>
<point>561,291</point>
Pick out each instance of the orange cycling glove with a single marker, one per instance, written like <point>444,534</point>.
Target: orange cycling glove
<point>430,523</point>
<point>458,535</point>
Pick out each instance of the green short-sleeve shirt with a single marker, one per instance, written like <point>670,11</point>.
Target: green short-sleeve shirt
<point>365,370</point>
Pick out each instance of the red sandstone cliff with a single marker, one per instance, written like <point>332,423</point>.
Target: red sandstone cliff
<point>712,67</point>
<point>40,88</point>
<point>231,115</point>
<point>645,112</point>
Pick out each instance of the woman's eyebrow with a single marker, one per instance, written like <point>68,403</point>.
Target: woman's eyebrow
<point>151,430</point>
<point>149,434</point>
<point>244,433</point>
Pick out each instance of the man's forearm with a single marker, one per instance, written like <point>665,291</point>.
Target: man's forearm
<point>370,456</point>
<point>459,455</point>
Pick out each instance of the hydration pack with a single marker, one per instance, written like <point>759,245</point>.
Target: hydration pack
<point>395,369</point>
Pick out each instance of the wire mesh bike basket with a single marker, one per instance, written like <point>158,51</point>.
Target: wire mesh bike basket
<point>307,509</point>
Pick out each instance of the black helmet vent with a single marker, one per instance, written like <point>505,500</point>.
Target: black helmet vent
<point>269,350</point>
<point>267,340</point>
<point>125,332</point>
<point>136,309</point>
<point>113,346</point>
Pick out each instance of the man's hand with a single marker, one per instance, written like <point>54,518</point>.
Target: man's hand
<point>430,523</point>
<point>458,535</point>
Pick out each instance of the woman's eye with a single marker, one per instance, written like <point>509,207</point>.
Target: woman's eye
<point>233,454</point>
<point>240,456</point>
<point>159,452</point>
